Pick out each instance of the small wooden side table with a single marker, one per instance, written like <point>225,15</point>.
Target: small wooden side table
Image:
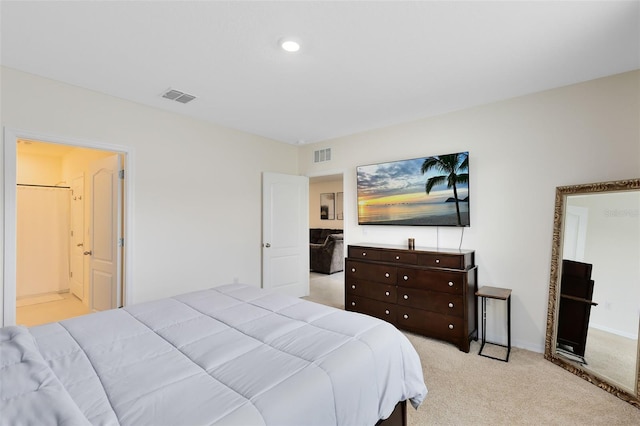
<point>500,294</point>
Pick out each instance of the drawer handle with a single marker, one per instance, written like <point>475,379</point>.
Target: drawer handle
<point>397,257</point>
<point>353,303</point>
<point>386,293</point>
<point>353,286</point>
<point>386,311</point>
<point>364,253</point>
<point>406,297</point>
<point>406,278</point>
<point>450,283</point>
<point>450,305</point>
<point>386,275</point>
<point>450,326</point>
<point>406,316</point>
<point>353,269</point>
<point>437,260</point>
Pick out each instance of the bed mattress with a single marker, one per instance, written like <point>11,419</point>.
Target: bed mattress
<point>230,355</point>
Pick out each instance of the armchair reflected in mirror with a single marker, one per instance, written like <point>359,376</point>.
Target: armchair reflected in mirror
<point>594,290</point>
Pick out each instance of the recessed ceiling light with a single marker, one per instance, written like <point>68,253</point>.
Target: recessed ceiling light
<point>290,45</point>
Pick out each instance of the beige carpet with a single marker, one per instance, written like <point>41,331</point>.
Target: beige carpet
<point>468,389</point>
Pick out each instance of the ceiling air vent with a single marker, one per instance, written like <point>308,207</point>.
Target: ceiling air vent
<point>322,155</point>
<point>178,96</point>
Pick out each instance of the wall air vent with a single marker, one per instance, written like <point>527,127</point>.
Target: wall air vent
<point>322,155</point>
<point>178,96</point>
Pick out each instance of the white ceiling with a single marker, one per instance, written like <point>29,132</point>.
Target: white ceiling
<point>363,64</point>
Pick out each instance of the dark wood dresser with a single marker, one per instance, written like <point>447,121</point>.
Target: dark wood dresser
<point>426,291</point>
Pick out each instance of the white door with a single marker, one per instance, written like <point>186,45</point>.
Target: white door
<point>104,252</point>
<point>575,233</point>
<point>285,233</point>
<point>76,247</point>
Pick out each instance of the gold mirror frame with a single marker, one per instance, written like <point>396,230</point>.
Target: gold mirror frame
<point>556,252</point>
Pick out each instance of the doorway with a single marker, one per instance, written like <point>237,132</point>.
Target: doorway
<point>52,281</point>
<point>72,163</point>
<point>43,267</point>
<point>327,289</point>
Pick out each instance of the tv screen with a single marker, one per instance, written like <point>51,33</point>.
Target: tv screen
<point>428,191</point>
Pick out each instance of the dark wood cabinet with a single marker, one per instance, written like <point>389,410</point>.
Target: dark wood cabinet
<point>426,291</point>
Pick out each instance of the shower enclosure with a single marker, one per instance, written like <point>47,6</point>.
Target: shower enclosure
<point>42,240</point>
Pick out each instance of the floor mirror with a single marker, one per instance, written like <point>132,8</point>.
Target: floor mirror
<point>593,318</point>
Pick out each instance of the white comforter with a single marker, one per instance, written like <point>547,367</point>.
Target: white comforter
<point>232,355</point>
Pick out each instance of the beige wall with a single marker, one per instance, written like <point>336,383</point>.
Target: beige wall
<point>519,151</point>
<point>76,163</point>
<point>197,186</point>
<point>36,169</point>
<point>315,189</point>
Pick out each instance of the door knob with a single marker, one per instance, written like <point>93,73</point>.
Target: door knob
<point>267,245</point>
<point>80,245</point>
<point>88,253</point>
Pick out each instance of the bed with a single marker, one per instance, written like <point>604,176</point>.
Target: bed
<point>229,355</point>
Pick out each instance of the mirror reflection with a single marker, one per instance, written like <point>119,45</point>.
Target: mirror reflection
<point>600,284</point>
<point>594,291</point>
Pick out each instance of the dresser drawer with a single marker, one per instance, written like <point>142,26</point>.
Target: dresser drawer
<point>357,252</point>
<point>434,301</point>
<point>380,273</point>
<point>370,289</point>
<point>425,291</point>
<point>399,257</point>
<point>431,323</point>
<point>438,260</point>
<point>375,308</point>
<point>432,279</point>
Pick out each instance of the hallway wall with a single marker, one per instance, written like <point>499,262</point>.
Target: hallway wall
<point>315,189</point>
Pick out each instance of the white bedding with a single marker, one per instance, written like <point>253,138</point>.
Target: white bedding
<point>230,355</point>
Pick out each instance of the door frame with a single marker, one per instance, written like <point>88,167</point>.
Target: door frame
<point>75,250</point>
<point>345,205</point>
<point>10,139</point>
<point>580,217</point>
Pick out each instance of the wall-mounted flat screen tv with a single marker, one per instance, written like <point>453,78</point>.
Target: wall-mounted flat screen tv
<point>427,191</point>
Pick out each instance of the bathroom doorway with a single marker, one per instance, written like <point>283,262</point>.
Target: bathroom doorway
<point>54,231</point>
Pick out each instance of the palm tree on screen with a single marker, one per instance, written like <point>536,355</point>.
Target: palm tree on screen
<point>451,166</point>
